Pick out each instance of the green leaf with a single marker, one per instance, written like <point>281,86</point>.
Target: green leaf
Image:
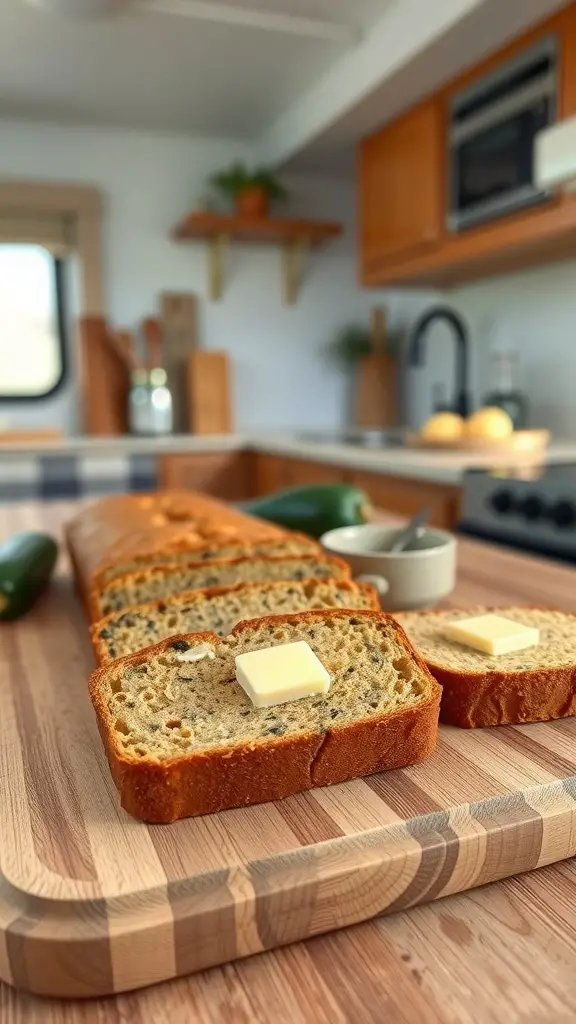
<point>353,342</point>
<point>235,179</point>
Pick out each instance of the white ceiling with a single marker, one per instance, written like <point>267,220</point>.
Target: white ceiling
<point>296,98</point>
<point>157,71</point>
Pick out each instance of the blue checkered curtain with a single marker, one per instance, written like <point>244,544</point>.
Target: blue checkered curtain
<point>57,477</point>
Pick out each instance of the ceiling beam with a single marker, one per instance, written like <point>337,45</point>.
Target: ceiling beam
<point>267,21</point>
<point>414,47</point>
<point>407,27</point>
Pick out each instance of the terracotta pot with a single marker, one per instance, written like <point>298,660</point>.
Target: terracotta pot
<point>252,202</point>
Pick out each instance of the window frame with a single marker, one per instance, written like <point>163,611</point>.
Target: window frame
<point>59,285</point>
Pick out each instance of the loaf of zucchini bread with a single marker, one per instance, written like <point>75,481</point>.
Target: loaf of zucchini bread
<point>217,609</point>
<point>161,581</point>
<point>183,738</point>
<point>126,532</point>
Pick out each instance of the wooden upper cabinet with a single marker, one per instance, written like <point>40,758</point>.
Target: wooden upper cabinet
<point>401,175</point>
<point>404,184</point>
<point>567,105</point>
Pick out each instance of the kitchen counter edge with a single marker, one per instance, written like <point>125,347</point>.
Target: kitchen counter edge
<point>435,467</point>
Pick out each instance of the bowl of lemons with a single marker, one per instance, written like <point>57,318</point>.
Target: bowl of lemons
<point>489,429</point>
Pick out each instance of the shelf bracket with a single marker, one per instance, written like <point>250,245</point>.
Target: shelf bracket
<point>218,248</point>
<point>294,255</point>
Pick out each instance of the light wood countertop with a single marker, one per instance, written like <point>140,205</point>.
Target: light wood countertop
<point>501,954</point>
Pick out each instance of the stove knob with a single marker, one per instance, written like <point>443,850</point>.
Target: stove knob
<point>563,514</point>
<point>502,502</point>
<point>532,508</point>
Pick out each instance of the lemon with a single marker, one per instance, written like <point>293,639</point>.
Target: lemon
<point>444,427</point>
<point>489,423</point>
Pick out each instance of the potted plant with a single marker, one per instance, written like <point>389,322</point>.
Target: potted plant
<point>351,343</point>
<point>251,190</point>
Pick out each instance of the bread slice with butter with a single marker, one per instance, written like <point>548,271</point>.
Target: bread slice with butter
<point>535,684</point>
<point>183,737</point>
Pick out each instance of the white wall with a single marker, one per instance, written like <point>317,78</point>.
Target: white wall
<point>533,313</point>
<point>148,183</point>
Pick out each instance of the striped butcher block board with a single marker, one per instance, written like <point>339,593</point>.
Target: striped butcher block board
<point>93,902</point>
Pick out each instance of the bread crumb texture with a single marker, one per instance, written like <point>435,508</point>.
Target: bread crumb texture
<point>218,611</point>
<point>163,581</point>
<point>557,647</point>
<point>204,551</point>
<point>161,708</point>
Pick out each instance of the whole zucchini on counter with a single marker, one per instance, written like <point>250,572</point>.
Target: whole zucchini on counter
<point>315,509</point>
<point>26,564</point>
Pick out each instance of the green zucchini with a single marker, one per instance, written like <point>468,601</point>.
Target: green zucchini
<point>315,509</point>
<point>26,564</point>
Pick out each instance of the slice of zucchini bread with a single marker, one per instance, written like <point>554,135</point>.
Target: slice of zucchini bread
<point>173,578</point>
<point>217,609</point>
<point>183,738</point>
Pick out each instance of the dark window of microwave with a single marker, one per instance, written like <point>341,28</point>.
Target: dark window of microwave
<point>501,158</point>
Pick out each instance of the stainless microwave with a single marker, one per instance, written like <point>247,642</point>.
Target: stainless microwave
<point>492,128</point>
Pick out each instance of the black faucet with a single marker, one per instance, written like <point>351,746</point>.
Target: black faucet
<point>462,400</point>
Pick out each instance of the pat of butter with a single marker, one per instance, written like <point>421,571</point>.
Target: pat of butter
<point>276,675</point>
<point>492,634</point>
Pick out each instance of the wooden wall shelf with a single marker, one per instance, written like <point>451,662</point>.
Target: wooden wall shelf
<point>295,237</point>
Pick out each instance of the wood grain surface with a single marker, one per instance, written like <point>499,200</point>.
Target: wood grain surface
<point>93,902</point>
<point>105,381</point>
<point>209,393</point>
<point>179,317</point>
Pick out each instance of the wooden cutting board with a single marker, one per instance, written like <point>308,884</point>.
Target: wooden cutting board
<point>104,381</point>
<point>178,312</point>
<point>376,384</point>
<point>93,902</point>
<point>376,392</point>
<point>209,393</point>
<point>530,443</point>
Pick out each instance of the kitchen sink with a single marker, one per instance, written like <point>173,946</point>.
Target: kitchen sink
<point>391,438</point>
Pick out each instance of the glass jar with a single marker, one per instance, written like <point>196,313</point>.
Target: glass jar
<point>161,416</point>
<point>150,403</point>
<point>139,419</point>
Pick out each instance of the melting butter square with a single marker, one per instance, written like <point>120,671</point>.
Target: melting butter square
<point>492,634</point>
<point>276,675</point>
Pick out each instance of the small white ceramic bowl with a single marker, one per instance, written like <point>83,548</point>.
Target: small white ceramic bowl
<point>406,580</point>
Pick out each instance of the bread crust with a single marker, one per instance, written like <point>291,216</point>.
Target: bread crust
<point>275,767</point>
<point>476,700</point>
<point>136,527</point>
<point>204,593</point>
<point>95,597</point>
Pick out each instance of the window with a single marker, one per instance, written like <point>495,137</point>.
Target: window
<point>31,322</point>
